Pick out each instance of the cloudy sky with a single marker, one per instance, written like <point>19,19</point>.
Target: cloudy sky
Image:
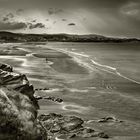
<point>107,17</point>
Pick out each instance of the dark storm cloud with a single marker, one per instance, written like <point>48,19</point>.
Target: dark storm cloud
<point>12,25</point>
<point>33,20</point>
<point>37,25</point>
<point>71,24</point>
<point>63,3</point>
<point>109,17</point>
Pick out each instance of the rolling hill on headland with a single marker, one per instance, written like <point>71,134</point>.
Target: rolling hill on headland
<point>20,37</point>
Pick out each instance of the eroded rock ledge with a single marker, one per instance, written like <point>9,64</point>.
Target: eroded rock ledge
<point>18,113</point>
<point>18,107</point>
<point>68,127</point>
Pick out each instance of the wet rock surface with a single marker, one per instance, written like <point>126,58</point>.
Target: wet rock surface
<point>18,107</point>
<point>6,67</point>
<point>41,89</point>
<point>16,82</point>
<point>109,119</point>
<point>49,98</point>
<point>70,126</point>
<point>54,99</point>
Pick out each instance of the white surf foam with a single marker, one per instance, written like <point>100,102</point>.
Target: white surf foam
<point>50,63</point>
<point>106,68</point>
<point>114,71</point>
<point>53,90</point>
<point>56,138</point>
<point>134,81</point>
<point>74,108</point>
<point>78,90</point>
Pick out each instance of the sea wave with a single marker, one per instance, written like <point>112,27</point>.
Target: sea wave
<point>102,67</point>
<point>106,68</point>
<point>78,90</point>
<point>113,70</point>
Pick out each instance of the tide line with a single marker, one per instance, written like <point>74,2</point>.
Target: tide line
<point>106,68</point>
<point>114,71</point>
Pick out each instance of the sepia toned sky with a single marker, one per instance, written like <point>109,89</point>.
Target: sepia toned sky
<point>106,17</point>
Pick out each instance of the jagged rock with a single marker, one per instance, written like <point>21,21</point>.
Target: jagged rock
<point>17,114</point>
<point>72,136</point>
<point>89,134</point>
<point>71,123</point>
<point>17,82</point>
<point>59,100</point>
<point>18,108</point>
<point>42,89</point>
<point>50,98</point>
<point>6,67</point>
<point>38,97</point>
<point>108,119</point>
<point>70,126</point>
<point>65,123</point>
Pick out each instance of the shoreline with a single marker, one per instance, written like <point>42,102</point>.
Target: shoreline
<point>97,65</point>
<point>89,97</point>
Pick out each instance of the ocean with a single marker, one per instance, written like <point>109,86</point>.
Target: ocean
<point>95,80</point>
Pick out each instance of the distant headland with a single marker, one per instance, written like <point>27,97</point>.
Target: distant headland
<point>21,37</point>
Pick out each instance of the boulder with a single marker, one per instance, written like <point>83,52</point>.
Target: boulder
<point>54,99</point>
<point>6,67</point>
<point>109,119</point>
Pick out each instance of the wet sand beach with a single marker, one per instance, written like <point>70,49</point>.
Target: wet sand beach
<point>88,89</point>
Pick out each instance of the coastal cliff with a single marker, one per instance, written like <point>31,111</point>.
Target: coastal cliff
<point>18,107</point>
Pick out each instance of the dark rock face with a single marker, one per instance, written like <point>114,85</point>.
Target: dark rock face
<point>6,67</point>
<point>49,98</point>
<point>18,107</point>
<point>58,100</point>
<point>17,82</point>
<point>71,126</point>
<point>109,119</point>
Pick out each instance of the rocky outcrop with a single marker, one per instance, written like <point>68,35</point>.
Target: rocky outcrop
<point>6,67</point>
<point>109,119</point>
<point>69,126</point>
<point>18,107</point>
<point>17,82</point>
<point>49,98</point>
